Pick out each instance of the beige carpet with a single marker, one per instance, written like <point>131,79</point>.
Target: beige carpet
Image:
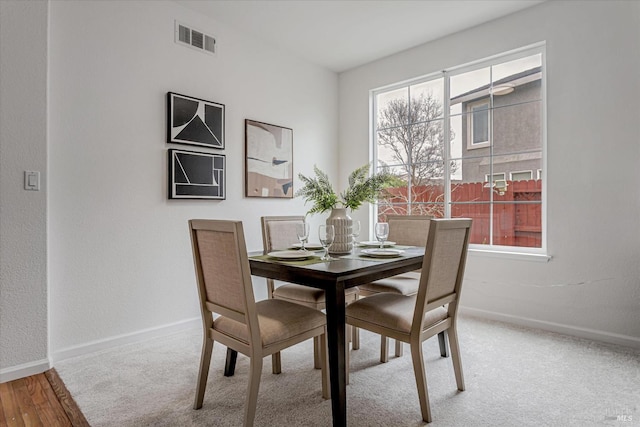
<point>514,377</point>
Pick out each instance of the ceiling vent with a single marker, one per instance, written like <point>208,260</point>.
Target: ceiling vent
<point>195,39</point>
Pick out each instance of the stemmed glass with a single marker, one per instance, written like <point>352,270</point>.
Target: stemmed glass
<point>382,232</point>
<point>326,233</point>
<point>302,231</point>
<point>355,232</point>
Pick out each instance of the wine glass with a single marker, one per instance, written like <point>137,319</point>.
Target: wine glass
<point>355,232</point>
<point>302,231</point>
<point>326,233</point>
<point>382,232</point>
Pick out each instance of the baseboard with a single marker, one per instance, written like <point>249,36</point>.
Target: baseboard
<point>591,334</point>
<point>24,370</point>
<point>118,340</point>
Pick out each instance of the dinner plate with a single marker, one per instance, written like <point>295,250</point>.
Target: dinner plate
<point>310,246</point>
<point>382,253</point>
<point>291,254</point>
<point>376,243</point>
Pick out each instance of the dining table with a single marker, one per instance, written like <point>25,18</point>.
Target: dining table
<point>334,277</point>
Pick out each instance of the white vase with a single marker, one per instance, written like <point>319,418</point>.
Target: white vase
<point>342,224</point>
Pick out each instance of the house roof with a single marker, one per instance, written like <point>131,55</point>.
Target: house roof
<point>514,80</point>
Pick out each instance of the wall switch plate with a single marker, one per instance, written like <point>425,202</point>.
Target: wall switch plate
<point>32,180</point>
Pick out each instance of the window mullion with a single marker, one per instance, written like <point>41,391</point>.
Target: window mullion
<point>491,172</point>
<point>447,147</point>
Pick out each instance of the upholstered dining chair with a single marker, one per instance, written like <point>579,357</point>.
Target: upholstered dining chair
<point>255,329</point>
<point>413,319</point>
<point>410,230</point>
<point>278,233</point>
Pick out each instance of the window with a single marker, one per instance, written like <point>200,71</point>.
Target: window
<point>521,176</point>
<point>495,177</point>
<point>478,124</point>
<point>452,138</point>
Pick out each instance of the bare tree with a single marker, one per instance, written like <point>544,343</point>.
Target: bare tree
<point>412,130</point>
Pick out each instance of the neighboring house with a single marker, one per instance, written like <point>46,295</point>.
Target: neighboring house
<point>515,132</point>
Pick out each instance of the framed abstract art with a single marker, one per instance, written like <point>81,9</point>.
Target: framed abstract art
<point>194,121</point>
<point>195,175</point>
<point>269,160</point>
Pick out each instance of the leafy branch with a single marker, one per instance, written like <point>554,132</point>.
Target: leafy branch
<point>362,188</point>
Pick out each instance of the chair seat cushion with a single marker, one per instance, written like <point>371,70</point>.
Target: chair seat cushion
<point>403,284</point>
<point>279,320</point>
<point>305,294</point>
<point>392,311</point>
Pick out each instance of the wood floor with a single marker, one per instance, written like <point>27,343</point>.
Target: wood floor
<point>39,400</point>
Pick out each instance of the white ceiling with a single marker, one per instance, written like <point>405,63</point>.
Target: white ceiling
<point>341,35</point>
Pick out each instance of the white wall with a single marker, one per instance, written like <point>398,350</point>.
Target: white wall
<point>23,240</point>
<point>591,287</point>
<point>119,251</point>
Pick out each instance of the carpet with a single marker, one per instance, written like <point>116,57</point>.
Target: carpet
<point>514,376</point>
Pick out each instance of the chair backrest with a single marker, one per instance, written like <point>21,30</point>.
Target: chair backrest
<point>223,273</point>
<point>443,266</point>
<point>411,230</point>
<point>279,232</point>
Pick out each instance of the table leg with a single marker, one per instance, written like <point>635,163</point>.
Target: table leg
<point>444,344</point>
<point>334,297</point>
<point>230,363</point>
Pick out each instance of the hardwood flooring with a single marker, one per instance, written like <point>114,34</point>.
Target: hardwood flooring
<point>39,400</point>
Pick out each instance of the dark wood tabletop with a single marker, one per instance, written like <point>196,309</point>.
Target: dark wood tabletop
<point>334,277</point>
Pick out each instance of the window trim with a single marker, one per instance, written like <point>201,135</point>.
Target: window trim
<point>502,177</point>
<point>533,49</point>
<point>530,172</point>
<point>471,117</point>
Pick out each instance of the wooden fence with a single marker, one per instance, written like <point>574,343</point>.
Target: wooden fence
<point>517,214</point>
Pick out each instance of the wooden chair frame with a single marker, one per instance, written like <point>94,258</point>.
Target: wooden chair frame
<point>254,348</point>
<point>418,333</point>
<point>268,246</point>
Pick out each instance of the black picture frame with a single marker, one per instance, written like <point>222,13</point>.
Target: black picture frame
<point>196,175</point>
<point>195,121</point>
<point>268,160</point>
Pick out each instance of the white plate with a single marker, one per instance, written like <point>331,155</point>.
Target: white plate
<point>310,246</point>
<point>382,253</point>
<point>376,243</point>
<point>291,254</point>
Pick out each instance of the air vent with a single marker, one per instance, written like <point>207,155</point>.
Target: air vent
<point>195,39</point>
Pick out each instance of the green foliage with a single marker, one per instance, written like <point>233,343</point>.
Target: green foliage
<point>362,188</point>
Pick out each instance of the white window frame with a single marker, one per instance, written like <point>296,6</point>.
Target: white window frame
<point>513,252</point>
<point>471,117</point>
<point>495,177</point>
<point>530,172</point>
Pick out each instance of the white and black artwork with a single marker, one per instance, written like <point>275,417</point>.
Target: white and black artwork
<point>194,175</point>
<point>195,121</point>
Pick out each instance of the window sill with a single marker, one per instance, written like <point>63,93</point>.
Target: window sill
<point>521,256</point>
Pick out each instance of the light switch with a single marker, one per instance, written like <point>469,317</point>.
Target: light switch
<point>32,180</point>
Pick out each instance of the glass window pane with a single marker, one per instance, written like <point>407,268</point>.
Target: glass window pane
<point>472,169</point>
<point>427,99</point>
<point>517,128</point>
<point>385,208</point>
<point>467,87</point>
<point>419,148</point>
<point>393,146</point>
<point>472,129</point>
<point>390,108</point>
<point>517,162</point>
<point>518,224</point>
<point>480,227</point>
<point>517,81</point>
